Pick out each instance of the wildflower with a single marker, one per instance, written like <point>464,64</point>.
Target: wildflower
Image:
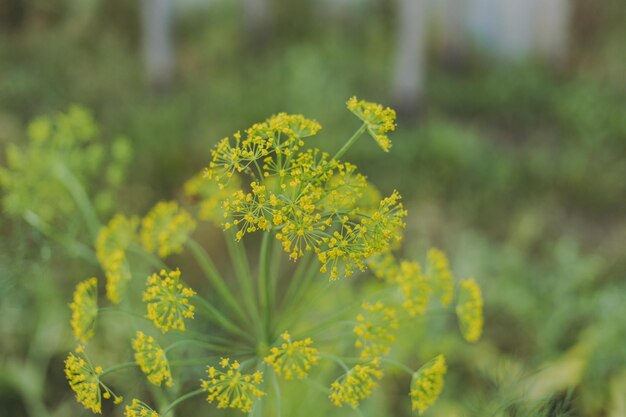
<point>249,211</point>
<point>440,275</point>
<point>168,301</point>
<point>151,359</point>
<point>111,245</point>
<point>139,409</point>
<point>469,310</point>
<point>293,358</point>
<point>377,119</point>
<point>210,196</point>
<point>415,288</point>
<point>376,330</point>
<point>384,266</point>
<point>384,226</point>
<point>427,384</point>
<point>84,379</point>
<point>231,388</point>
<point>166,228</point>
<point>356,385</point>
<point>84,308</point>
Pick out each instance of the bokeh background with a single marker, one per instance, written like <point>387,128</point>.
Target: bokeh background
<point>510,153</point>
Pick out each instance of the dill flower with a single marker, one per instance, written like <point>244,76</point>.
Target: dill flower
<point>84,379</point>
<point>139,409</point>
<point>151,359</point>
<point>168,301</point>
<point>469,310</point>
<point>376,330</point>
<point>427,384</point>
<point>293,358</point>
<point>166,228</point>
<point>84,308</point>
<point>440,275</point>
<point>384,266</point>
<point>111,245</point>
<point>231,388</point>
<point>356,384</point>
<point>377,119</point>
<point>249,211</point>
<point>415,288</point>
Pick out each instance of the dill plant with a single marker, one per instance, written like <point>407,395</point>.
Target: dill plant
<point>267,325</point>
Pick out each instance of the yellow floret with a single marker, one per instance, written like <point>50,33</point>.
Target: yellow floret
<point>151,359</point>
<point>427,384</point>
<point>84,308</point>
<point>292,358</point>
<point>469,310</point>
<point>168,301</point>
<point>231,388</point>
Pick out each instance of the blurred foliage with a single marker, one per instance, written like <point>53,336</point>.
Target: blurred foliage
<point>516,171</point>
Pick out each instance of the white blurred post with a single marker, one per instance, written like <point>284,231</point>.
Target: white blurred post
<point>408,73</point>
<point>552,32</point>
<point>158,53</point>
<point>257,20</point>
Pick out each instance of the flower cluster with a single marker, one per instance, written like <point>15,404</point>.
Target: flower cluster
<point>151,359</point>
<point>292,358</point>
<point>356,384</point>
<point>139,409</point>
<point>84,379</point>
<point>312,202</point>
<point>231,388</point>
<point>415,288</point>
<point>427,384</point>
<point>166,228</point>
<point>62,153</point>
<point>84,308</point>
<point>440,275</point>
<point>376,330</point>
<point>111,246</point>
<point>377,119</point>
<point>469,310</point>
<point>168,301</point>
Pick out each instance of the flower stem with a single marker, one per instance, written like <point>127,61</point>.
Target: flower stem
<point>118,367</point>
<point>264,284</point>
<point>214,277</point>
<point>215,314</point>
<point>180,400</point>
<point>350,142</point>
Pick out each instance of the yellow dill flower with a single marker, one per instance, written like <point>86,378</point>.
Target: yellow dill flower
<point>378,120</point>
<point>376,330</point>
<point>210,196</point>
<point>440,275</point>
<point>415,287</point>
<point>293,358</point>
<point>139,409</point>
<point>249,211</point>
<point>356,384</point>
<point>384,226</point>
<point>151,359</point>
<point>84,379</point>
<point>231,388</point>
<point>469,310</point>
<point>384,266</point>
<point>168,301</point>
<point>84,308</point>
<point>111,244</point>
<point>427,384</point>
<point>166,228</point>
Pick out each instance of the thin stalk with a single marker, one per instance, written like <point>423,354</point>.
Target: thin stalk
<point>350,142</point>
<point>76,190</point>
<point>241,266</point>
<point>150,258</point>
<point>180,400</point>
<point>118,367</point>
<point>279,401</point>
<point>222,320</point>
<point>209,346</point>
<point>213,275</point>
<point>302,269</point>
<point>264,285</point>
<point>399,365</point>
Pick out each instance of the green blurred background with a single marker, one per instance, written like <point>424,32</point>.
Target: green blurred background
<point>510,153</point>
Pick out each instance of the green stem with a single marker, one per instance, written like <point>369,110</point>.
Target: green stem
<point>399,365</point>
<point>72,246</point>
<point>118,367</point>
<point>264,285</point>
<point>180,400</point>
<point>219,318</point>
<point>279,401</point>
<point>209,346</point>
<point>350,142</point>
<point>213,275</point>
<point>75,188</point>
<point>150,258</point>
<point>241,266</point>
<point>304,266</point>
